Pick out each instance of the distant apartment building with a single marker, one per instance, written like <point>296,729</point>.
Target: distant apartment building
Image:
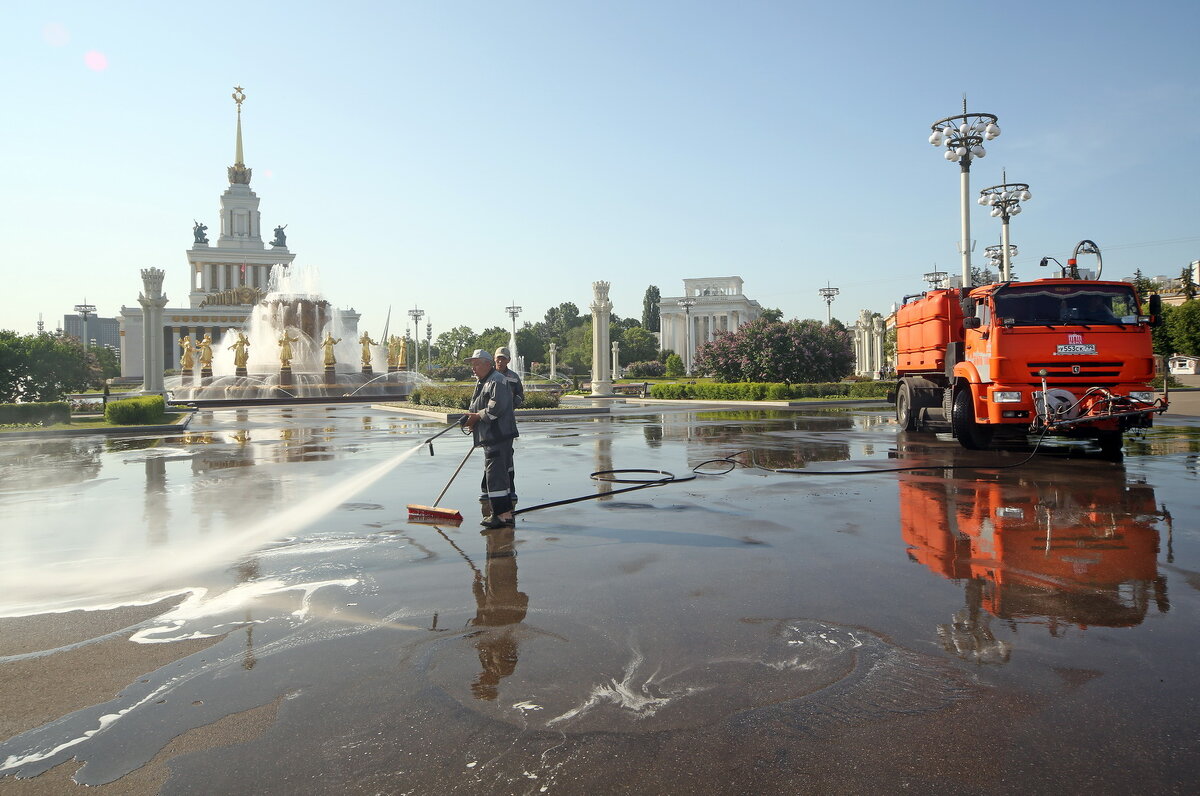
<point>104,331</point>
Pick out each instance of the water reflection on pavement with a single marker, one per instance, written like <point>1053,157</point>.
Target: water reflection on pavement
<point>248,602</point>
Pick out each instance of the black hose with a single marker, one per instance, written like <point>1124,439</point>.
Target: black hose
<point>732,464</point>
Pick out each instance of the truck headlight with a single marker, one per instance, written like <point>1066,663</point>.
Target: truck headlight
<point>1006,397</point>
<point>1146,397</point>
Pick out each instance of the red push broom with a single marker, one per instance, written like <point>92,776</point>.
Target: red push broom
<point>419,513</point>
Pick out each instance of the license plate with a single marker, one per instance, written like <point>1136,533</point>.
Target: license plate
<point>1067,349</point>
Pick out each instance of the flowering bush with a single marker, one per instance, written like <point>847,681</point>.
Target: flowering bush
<point>773,351</point>
<point>645,370</point>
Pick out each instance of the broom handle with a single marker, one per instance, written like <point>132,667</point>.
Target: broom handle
<point>456,472</point>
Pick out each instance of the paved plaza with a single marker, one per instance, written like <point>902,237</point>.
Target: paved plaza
<point>244,608</point>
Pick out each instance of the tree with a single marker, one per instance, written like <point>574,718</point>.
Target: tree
<point>492,338</point>
<point>772,315</point>
<point>650,313</point>
<point>1187,285</point>
<point>1183,325</point>
<point>638,344</point>
<point>560,320</point>
<point>42,367</point>
<point>1163,340</point>
<point>674,366</point>
<point>107,363</point>
<point>530,346</point>
<point>576,351</point>
<point>793,352</point>
<point>982,275</point>
<point>1144,287</point>
<point>453,343</point>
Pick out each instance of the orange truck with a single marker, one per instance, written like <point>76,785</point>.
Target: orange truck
<point>1068,356</point>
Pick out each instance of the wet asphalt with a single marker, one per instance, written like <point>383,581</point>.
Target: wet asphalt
<point>245,608</point>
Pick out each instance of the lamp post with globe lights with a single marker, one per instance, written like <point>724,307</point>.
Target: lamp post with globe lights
<point>963,136</point>
<point>935,279</point>
<point>995,258</point>
<point>828,293</point>
<point>416,315</point>
<point>1005,200</point>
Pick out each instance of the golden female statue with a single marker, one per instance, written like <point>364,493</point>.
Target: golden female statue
<point>397,352</point>
<point>240,355</point>
<point>205,349</point>
<point>186,362</point>
<point>285,349</point>
<point>367,342</point>
<point>328,343</point>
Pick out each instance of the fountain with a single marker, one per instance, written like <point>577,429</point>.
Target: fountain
<point>294,347</point>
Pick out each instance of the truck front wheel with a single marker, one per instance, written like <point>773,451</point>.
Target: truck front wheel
<point>971,435</point>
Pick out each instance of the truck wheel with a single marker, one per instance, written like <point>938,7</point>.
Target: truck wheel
<point>906,415</point>
<point>1110,443</point>
<point>971,435</point>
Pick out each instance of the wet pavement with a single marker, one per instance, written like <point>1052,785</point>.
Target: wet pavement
<point>244,608</point>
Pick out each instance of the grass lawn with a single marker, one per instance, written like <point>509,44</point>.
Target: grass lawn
<point>83,425</point>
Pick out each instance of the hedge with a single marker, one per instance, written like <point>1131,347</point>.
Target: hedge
<point>47,413</point>
<point>769,391</point>
<point>460,398</point>
<point>145,411</point>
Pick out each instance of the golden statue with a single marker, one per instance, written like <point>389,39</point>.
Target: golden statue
<point>367,342</point>
<point>186,362</point>
<point>328,343</point>
<point>397,348</point>
<point>285,349</point>
<point>205,349</point>
<point>240,355</point>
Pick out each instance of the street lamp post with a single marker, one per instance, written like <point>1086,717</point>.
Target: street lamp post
<point>428,345</point>
<point>828,293</point>
<point>935,279</point>
<point>963,135</point>
<point>1005,200</point>
<point>995,258</point>
<point>687,304</point>
<point>416,316</point>
<point>84,311</point>
<point>513,311</point>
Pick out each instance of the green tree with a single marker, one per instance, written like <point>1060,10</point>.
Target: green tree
<point>492,338</point>
<point>108,364</point>
<point>650,315</point>
<point>1164,341</point>
<point>454,343</point>
<point>530,346</point>
<point>1187,285</point>
<point>560,320</point>
<point>1144,287</point>
<point>773,315</point>
<point>982,275</point>
<point>638,345</point>
<point>42,367</point>
<point>576,351</point>
<point>674,365</point>
<point>1183,324</point>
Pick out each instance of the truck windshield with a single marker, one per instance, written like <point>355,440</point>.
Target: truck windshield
<point>1037,305</point>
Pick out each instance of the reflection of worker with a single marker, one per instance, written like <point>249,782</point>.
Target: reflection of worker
<point>498,603</point>
<point>490,418</point>
<point>503,357</point>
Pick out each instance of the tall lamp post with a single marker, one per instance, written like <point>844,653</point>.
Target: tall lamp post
<point>428,346</point>
<point>513,311</point>
<point>687,304</point>
<point>416,316</point>
<point>935,279</point>
<point>84,311</point>
<point>1005,200</point>
<point>995,258</point>
<point>828,293</point>
<point>963,136</point>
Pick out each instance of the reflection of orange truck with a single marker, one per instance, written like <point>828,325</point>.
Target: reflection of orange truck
<point>1085,555</point>
<point>1066,356</point>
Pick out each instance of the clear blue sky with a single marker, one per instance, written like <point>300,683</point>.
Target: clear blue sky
<point>459,156</point>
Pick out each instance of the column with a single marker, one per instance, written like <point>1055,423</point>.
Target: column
<point>616,359</point>
<point>601,309</point>
<point>553,361</point>
<point>152,301</point>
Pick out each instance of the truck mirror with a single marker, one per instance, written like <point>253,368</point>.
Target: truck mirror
<point>1154,305</point>
<point>972,323</point>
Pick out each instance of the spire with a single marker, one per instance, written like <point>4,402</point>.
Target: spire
<point>238,173</point>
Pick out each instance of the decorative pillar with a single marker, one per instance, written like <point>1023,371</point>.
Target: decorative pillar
<point>553,361</point>
<point>877,365</point>
<point>601,309</point>
<point>616,359</point>
<point>153,357</point>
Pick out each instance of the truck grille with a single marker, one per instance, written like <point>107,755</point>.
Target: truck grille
<point>1087,368</point>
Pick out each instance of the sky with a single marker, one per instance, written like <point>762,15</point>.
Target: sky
<point>463,156</point>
